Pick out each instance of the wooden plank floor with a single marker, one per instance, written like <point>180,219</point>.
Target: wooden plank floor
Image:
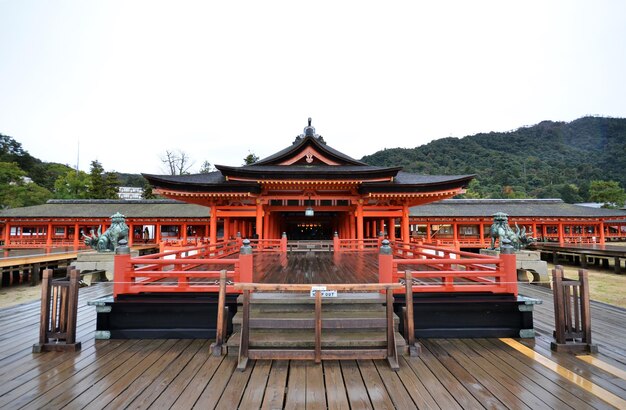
<point>450,374</point>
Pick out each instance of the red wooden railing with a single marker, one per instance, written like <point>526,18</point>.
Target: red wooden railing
<point>192,269</point>
<point>347,245</point>
<point>269,245</point>
<point>437,269</point>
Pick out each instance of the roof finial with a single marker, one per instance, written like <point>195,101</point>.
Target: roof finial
<point>309,130</point>
<point>309,121</point>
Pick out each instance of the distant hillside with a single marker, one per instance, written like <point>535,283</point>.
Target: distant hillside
<point>550,159</point>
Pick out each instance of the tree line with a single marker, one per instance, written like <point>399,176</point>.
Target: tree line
<point>580,161</point>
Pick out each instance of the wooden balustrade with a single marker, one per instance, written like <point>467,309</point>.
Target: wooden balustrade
<point>438,269</point>
<point>317,353</point>
<point>572,315</point>
<point>59,308</point>
<point>347,245</point>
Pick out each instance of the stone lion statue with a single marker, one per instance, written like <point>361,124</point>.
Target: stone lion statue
<point>502,233</point>
<point>107,241</point>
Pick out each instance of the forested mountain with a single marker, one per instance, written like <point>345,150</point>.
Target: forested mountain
<point>547,160</point>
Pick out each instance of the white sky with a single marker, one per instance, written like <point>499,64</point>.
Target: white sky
<point>130,79</point>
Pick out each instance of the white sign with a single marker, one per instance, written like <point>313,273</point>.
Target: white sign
<point>325,293</point>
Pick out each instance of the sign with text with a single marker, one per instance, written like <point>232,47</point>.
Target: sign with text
<point>325,293</point>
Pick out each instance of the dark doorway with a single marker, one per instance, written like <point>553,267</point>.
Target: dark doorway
<point>318,227</point>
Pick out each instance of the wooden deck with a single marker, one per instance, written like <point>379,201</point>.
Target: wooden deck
<point>452,373</point>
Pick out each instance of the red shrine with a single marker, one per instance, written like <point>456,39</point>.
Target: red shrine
<point>309,191</point>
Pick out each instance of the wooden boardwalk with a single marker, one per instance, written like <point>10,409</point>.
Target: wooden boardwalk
<point>450,374</point>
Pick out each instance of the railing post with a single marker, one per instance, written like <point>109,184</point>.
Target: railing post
<point>283,242</point>
<point>414,348</point>
<point>385,263</point>
<point>121,266</point>
<point>509,267</point>
<point>46,292</point>
<point>336,245</point>
<point>238,239</point>
<point>381,236</point>
<point>245,262</point>
<point>217,347</point>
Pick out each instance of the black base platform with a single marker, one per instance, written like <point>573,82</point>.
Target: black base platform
<point>471,315</point>
<point>163,316</point>
<point>193,316</point>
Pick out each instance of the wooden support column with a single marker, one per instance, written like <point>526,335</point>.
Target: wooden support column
<point>455,233</point>
<point>213,224</point>
<point>481,233</point>
<point>428,228</point>
<point>236,227</point>
<point>184,233</point>
<point>7,233</point>
<point>367,228</point>
<point>157,233</point>
<point>266,225</point>
<point>602,239</point>
<point>49,236</point>
<point>259,219</point>
<point>226,229</point>
<point>131,234</point>
<point>76,236</point>
<point>561,233</point>
<point>359,220</point>
<point>391,229</point>
<point>381,225</point>
<point>405,223</point>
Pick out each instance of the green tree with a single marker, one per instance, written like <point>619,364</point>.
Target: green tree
<point>608,192</point>
<point>72,185</point>
<point>111,185</point>
<point>206,167</point>
<point>16,190</point>
<point>147,192</point>
<point>97,187</point>
<point>251,158</point>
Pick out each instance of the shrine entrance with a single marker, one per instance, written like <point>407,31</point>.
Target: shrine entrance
<point>321,226</point>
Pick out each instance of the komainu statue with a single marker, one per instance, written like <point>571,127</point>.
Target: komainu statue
<point>501,232</point>
<point>107,241</point>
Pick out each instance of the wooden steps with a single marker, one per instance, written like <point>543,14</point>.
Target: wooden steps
<point>351,324</point>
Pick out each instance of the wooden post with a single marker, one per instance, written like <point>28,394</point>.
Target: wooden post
<point>391,229</point>
<point>213,225</point>
<point>259,219</point>
<point>602,236</point>
<point>405,223</point>
<point>245,332</point>
<point>121,267</point>
<point>49,236</point>
<point>318,326</point>
<point>509,266</point>
<point>392,352</point>
<point>217,347</point>
<point>46,292</point>
<point>245,262</point>
<point>409,319</point>
<point>385,263</point>
<point>359,223</point>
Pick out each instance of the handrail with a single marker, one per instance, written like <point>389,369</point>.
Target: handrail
<point>218,348</point>
<point>316,354</point>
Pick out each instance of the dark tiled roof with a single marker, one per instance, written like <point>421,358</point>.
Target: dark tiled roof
<point>513,207</point>
<point>300,144</point>
<point>309,171</point>
<point>211,182</point>
<point>94,208</point>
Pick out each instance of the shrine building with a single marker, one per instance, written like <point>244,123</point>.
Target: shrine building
<point>309,191</point>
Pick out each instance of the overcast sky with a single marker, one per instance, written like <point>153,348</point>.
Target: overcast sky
<point>131,79</point>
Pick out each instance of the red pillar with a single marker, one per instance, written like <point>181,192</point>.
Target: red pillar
<point>49,236</point>
<point>246,262</point>
<point>213,224</point>
<point>359,220</point>
<point>259,219</point>
<point>121,267</point>
<point>77,237</point>
<point>602,232</point>
<point>391,229</point>
<point>226,229</point>
<point>385,263</point>
<point>561,233</point>
<point>405,223</point>
<point>481,233</point>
